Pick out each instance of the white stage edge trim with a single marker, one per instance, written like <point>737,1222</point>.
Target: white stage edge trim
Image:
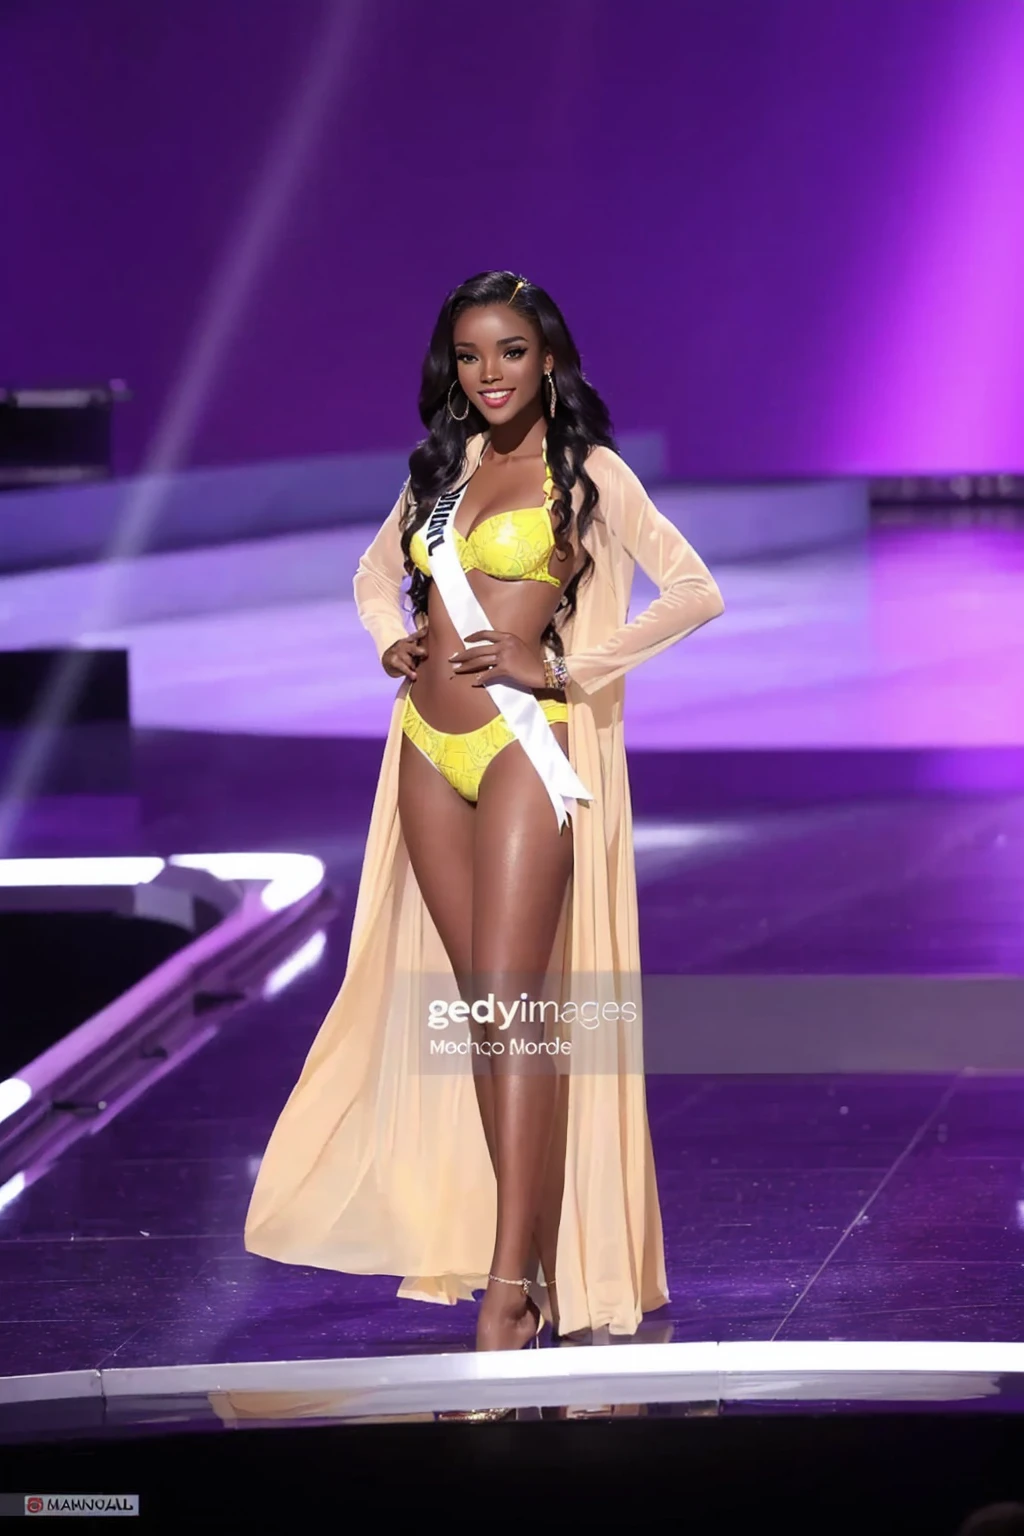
<point>50,1387</point>
<point>586,1376</point>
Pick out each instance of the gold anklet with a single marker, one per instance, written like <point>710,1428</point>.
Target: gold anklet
<point>524,1285</point>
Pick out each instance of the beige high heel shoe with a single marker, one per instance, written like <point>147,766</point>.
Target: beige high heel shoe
<point>495,1415</point>
<point>548,1314</point>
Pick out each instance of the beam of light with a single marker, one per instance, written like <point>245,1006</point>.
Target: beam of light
<point>11,1190</point>
<point>660,836</point>
<point>14,1095</point>
<point>243,262</point>
<point>304,959</point>
<point>290,876</point>
<point>56,873</point>
<point>938,388</point>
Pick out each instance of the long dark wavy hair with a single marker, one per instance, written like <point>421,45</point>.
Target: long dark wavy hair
<point>581,422</point>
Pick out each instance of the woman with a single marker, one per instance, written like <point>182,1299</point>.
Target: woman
<point>499,863</point>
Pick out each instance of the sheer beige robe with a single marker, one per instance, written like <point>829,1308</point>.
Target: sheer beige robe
<point>378,1164</point>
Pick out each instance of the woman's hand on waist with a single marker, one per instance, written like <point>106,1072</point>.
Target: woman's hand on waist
<point>499,658</point>
<point>399,660</point>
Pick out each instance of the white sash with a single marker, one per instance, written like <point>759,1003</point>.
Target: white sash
<point>520,708</point>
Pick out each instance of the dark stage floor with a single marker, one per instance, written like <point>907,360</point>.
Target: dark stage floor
<point>797,1207</point>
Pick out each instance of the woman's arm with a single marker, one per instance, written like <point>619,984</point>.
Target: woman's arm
<point>378,582</point>
<point>688,594</point>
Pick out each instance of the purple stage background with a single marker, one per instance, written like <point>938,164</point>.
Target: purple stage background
<point>789,234</point>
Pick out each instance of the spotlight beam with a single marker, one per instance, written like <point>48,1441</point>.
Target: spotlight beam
<point>244,260</point>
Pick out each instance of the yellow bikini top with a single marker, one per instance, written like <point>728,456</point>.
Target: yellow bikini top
<point>513,546</point>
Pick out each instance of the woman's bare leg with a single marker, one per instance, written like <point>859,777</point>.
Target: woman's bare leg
<point>438,830</point>
<point>521,869</point>
<point>550,1213</point>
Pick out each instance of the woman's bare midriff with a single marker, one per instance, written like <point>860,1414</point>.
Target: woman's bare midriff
<point>446,699</point>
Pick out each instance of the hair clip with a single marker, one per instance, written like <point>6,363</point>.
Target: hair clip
<point>520,284</point>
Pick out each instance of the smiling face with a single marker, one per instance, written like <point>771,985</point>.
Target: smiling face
<point>501,362</point>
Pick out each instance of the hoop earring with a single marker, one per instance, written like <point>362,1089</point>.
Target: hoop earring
<point>553,402</point>
<point>451,413</point>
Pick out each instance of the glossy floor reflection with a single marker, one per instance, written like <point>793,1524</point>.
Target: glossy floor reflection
<point>801,1208</point>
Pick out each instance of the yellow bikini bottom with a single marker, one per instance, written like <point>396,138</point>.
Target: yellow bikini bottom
<point>463,758</point>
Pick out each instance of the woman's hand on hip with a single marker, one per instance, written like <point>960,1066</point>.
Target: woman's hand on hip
<point>499,657</point>
<point>399,660</point>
